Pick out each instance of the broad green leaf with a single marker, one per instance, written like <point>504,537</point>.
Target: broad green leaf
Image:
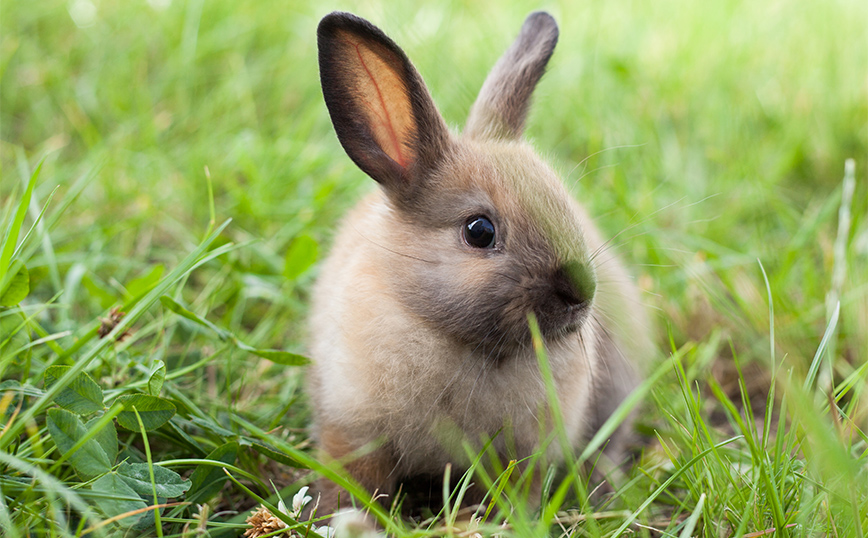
<point>105,296</point>
<point>300,256</point>
<point>17,287</point>
<point>82,396</point>
<point>119,499</point>
<point>275,355</point>
<point>279,457</point>
<point>155,411</point>
<point>177,308</point>
<point>107,438</point>
<point>168,483</point>
<point>66,429</point>
<point>10,384</point>
<point>145,283</point>
<point>207,480</point>
<point>155,381</point>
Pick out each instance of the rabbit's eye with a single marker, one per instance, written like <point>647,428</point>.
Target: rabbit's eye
<point>479,232</point>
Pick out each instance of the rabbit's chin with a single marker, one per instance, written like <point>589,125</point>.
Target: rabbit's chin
<point>555,327</point>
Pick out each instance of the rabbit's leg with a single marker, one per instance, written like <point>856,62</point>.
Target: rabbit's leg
<point>373,471</point>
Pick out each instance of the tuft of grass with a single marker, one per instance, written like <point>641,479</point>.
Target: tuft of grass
<point>151,358</point>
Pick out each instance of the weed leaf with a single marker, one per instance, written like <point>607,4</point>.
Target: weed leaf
<point>66,429</point>
<point>104,295</point>
<point>107,438</point>
<point>83,396</point>
<point>18,287</point>
<point>168,483</point>
<point>119,499</point>
<point>207,480</point>
<point>145,283</point>
<point>300,256</point>
<point>155,411</point>
<point>155,381</point>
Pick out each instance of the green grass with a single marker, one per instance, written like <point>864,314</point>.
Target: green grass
<point>714,133</point>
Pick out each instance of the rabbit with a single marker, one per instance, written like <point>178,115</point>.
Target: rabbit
<point>420,337</point>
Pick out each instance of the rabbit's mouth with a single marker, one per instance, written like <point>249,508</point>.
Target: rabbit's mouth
<point>555,318</point>
<point>559,320</point>
<point>575,316</point>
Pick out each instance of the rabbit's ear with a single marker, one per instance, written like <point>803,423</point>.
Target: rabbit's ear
<point>501,108</point>
<point>381,110</point>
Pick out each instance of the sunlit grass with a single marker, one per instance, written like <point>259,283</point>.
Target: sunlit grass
<point>710,137</point>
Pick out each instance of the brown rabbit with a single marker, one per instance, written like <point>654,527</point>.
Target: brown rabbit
<point>420,334</point>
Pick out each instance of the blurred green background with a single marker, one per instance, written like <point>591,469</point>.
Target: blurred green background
<point>715,133</point>
<point>706,136</point>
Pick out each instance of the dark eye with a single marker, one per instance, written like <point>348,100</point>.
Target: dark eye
<point>479,232</point>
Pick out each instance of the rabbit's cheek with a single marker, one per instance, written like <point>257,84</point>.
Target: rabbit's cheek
<point>461,297</point>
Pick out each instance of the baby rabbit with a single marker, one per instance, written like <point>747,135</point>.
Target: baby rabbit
<point>420,333</point>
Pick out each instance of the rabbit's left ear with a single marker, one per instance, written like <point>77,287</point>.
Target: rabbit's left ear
<point>501,108</point>
<point>381,110</point>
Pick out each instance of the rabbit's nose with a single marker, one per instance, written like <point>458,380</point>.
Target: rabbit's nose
<point>575,284</point>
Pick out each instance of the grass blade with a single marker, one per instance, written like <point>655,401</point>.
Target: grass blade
<point>196,258</point>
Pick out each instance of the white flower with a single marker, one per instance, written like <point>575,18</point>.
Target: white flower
<point>300,500</point>
<point>281,506</point>
<point>325,531</point>
<point>354,524</point>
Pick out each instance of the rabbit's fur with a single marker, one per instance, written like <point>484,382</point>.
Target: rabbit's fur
<point>420,340</point>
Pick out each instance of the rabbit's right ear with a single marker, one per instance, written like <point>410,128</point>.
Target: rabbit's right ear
<point>501,107</point>
<point>381,110</point>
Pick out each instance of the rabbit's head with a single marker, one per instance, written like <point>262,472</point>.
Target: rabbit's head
<point>482,231</point>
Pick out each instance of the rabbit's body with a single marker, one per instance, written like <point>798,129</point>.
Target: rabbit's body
<point>402,385</point>
<point>419,323</point>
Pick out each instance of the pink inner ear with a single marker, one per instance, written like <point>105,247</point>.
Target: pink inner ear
<point>383,100</point>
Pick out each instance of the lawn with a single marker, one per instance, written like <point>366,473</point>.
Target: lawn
<point>173,160</point>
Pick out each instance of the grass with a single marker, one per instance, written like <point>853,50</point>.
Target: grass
<point>714,133</point>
